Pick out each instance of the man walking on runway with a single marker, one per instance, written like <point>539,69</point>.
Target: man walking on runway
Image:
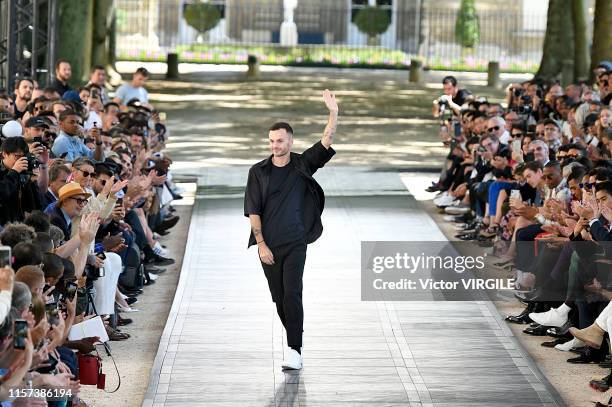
<point>284,204</point>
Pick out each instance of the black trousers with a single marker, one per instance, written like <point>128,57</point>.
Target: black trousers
<point>285,283</point>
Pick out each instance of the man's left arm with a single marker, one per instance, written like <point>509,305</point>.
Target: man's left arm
<point>332,121</point>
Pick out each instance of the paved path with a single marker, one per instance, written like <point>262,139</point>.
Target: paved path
<point>223,344</point>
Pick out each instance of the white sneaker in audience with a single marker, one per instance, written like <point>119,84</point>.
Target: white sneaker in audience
<point>574,343</point>
<point>444,200</point>
<point>457,208</point>
<point>553,317</point>
<point>293,360</point>
<point>153,276</point>
<point>449,218</point>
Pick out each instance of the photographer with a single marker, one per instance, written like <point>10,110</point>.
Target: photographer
<point>453,97</point>
<point>18,194</point>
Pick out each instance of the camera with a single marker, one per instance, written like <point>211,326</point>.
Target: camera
<point>525,109</point>
<point>33,163</point>
<point>40,141</point>
<point>94,273</point>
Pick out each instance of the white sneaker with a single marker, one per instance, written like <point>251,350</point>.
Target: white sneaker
<point>444,201</point>
<point>457,209</point>
<point>153,276</point>
<point>574,343</point>
<point>449,218</point>
<point>293,360</point>
<point>553,317</point>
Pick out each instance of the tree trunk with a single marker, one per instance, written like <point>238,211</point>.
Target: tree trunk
<point>558,40</point>
<point>102,19</point>
<point>581,44</point>
<point>75,36</point>
<point>602,33</point>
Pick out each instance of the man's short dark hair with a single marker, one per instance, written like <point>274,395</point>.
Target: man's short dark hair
<point>102,168</point>
<point>143,71</point>
<point>551,121</point>
<point>282,125</point>
<point>13,145</point>
<point>67,113</point>
<point>533,166</point>
<point>605,186</point>
<point>55,171</point>
<point>26,254</point>
<point>39,221</point>
<point>98,68</point>
<point>18,81</point>
<point>106,106</point>
<point>556,165</point>
<point>44,242</point>
<point>577,174</point>
<point>449,79</point>
<point>61,61</point>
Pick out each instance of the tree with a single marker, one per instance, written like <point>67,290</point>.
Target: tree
<point>602,33</point>
<point>581,42</point>
<point>75,36</point>
<point>372,21</point>
<point>467,27</point>
<point>203,17</point>
<point>558,39</point>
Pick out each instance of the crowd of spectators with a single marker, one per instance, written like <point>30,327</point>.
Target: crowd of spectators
<point>85,195</point>
<point>532,178</point>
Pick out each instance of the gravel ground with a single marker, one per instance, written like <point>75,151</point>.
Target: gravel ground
<point>134,357</point>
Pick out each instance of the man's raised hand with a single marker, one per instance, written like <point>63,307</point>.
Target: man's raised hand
<point>330,101</point>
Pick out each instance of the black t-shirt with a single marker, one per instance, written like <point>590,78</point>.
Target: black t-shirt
<point>461,96</point>
<point>282,218</point>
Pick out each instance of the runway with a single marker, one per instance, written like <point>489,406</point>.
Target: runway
<point>223,343</point>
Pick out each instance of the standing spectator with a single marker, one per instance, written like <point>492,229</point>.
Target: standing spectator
<point>98,78</point>
<point>69,145</point>
<point>134,90</point>
<point>63,72</point>
<point>23,94</point>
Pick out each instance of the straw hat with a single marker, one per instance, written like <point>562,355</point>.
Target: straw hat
<point>71,189</point>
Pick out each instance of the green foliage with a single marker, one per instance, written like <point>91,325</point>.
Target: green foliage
<point>372,21</point>
<point>467,27</point>
<point>202,16</point>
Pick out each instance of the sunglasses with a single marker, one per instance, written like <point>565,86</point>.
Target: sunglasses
<point>494,128</point>
<point>80,201</point>
<point>587,185</point>
<point>87,174</point>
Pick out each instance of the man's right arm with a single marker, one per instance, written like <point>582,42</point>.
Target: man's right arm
<point>265,254</point>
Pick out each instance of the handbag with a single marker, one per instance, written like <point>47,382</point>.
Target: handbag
<point>90,371</point>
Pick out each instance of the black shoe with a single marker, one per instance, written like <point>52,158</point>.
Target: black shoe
<point>167,223</point>
<point>149,282</point>
<point>131,300</point>
<point>552,344</point>
<point>154,270</point>
<point>602,385</point>
<point>560,332</point>
<point>160,261</point>
<point>528,296</point>
<point>607,362</point>
<point>123,321</point>
<point>131,292</point>
<point>522,318</point>
<point>539,330</point>
<point>589,356</point>
<point>434,187</point>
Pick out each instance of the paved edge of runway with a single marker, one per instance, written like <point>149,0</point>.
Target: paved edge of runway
<point>149,397</point>
<point>164,341</point>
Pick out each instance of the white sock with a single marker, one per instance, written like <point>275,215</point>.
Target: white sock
<point>564,308</point>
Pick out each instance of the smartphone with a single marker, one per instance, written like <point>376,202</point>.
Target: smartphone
<point>119,202</point>
<point>95,93</point>
<point>6,258</point>
<point>594,141</point>
<point>515,194</point>
<point>52,313</point>
<point>516,146</point>
<point>71,290</point>
<point>162,116</point>
<point>20,333</point>
<point>457,129</point>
